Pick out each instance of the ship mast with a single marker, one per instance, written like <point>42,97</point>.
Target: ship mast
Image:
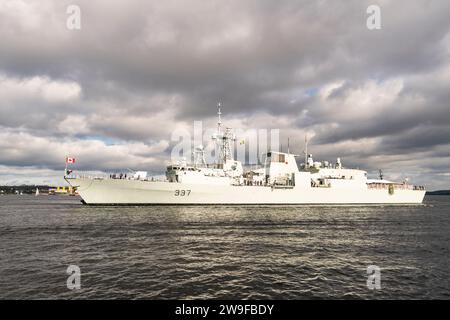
<point>219,120</point>
<point>218,134</point>
<point>306,151</point>
<point>223,140</point>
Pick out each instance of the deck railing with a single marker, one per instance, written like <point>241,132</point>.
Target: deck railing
<point>396,186</point>
<point>106,176</point>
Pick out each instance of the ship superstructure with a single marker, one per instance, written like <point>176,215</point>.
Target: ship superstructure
<point>279,181</point>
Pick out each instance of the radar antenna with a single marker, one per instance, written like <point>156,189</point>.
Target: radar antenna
<point>219,120</point>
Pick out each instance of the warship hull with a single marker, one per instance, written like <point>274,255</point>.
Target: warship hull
<point>141,192</point>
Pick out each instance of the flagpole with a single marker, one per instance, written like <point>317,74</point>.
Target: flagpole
<point>65,169</point>
<point>288,146</point>
<point>306,151</point>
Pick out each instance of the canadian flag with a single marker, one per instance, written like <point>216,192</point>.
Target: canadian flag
<point>70,160</point>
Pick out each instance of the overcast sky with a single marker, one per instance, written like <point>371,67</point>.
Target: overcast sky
<point>112,93</point>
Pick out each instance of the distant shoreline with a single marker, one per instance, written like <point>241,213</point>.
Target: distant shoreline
<point>25,189</point>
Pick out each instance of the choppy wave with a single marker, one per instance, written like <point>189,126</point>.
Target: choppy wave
<point>221,252</point>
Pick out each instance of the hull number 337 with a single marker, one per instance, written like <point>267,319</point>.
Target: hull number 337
<point>182,193</point>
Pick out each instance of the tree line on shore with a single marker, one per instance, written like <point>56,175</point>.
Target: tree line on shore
<point>24,189</point>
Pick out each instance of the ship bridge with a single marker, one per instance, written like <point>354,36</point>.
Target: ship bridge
<point>281,170</point>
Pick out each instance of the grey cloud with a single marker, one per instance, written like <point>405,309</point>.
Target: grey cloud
<point>147,67</point>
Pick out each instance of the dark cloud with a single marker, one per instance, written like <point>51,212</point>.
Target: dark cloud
<point>137,70</point>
